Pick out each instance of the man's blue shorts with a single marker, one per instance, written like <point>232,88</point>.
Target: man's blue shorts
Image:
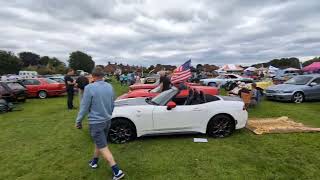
<point>99,133</point>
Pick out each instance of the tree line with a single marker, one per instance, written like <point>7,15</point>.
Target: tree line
<point>287,62</point>
<point>11,63</point>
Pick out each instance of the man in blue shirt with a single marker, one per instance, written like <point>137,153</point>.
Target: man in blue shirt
<point>98,101</point>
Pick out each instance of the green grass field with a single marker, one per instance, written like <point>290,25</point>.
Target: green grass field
<point>41,142</point>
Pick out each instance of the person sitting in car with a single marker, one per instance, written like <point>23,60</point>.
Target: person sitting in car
<point>165,82</point>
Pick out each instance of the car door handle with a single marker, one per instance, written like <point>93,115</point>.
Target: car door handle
<point>196,109</point>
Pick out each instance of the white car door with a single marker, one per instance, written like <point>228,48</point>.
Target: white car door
<point>180,118</point>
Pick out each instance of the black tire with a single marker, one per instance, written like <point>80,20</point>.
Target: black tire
<point>212,84</point>
<point>297,97</point>
<point>42,94</point>
<point>121,131</point>
<point>220,126</point>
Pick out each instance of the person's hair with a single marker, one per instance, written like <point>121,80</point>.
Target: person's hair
<point>254,85</point>
<point>98,72</point>
<point>69,70</point>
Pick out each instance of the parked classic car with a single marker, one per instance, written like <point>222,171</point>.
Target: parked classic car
<point>13,91</point>
<point>59,79</point>
<point>144,86</point>
<point>43,87</point>
<point>217,116</point>
<point>222,79</point>
<point>154,92</point>
<point>296,89</point>
<point>149,82</point>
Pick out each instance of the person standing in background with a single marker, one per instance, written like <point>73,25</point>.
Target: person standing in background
<point>98,101</point>
<point>70,87</point>
<point>82,82</point>
<point>121,79</point>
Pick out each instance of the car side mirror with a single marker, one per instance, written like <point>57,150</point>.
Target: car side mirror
<point>171,105</point>
<point>313,84</point>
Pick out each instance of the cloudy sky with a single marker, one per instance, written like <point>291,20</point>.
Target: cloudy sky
<point>144,32</point>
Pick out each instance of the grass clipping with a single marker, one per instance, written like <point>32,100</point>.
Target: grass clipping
<point>277,125</point>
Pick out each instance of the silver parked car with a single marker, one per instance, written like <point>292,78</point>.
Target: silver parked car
<point>296,89</point>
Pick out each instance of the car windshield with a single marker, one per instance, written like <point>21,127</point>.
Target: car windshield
<point>156,90</point>
<point>59,80</point>
<point>50,81</point>
<point>220,77</point>
<point>163,97</point>
<point>299,80</point>
<point>15,86</point>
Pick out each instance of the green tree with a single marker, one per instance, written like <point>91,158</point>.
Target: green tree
<point>81,61</point>
<point>44,60</point>
<point>9,63</point>
<point>282,63</point>
<point>307,63</point>
<point>29,58</point>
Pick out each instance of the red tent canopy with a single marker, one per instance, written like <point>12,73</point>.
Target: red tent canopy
<point>315,66</point>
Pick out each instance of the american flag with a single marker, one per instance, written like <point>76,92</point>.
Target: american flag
<point>182,73</point>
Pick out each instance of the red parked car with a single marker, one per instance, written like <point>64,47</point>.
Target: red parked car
<point>183,93</point>
<point>43,87</point>
<point>144,86</point>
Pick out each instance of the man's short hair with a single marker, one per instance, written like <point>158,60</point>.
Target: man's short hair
<point>70,69</point>
<point>254,85</point>
<point>98,72</point>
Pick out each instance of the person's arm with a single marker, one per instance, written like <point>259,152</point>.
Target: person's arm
<point>85,105</point>
<point>113,98</point>
<point>71,82</point>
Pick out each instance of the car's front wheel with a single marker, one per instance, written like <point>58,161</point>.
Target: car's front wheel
<point>298,97</point>
<point>121,131</point>
<point>42,94</point>
<point>220,126</point>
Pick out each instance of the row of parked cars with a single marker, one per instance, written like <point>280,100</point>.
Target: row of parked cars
<point>297,89</point>
<point>20,90</point>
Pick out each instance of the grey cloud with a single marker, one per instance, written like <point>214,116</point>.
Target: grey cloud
<point>145,32</point>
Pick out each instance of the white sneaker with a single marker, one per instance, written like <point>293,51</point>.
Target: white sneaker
<point>120,175</point>
<point>93,165</point>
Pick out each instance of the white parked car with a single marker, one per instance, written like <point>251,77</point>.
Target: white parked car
<point>223,79</point>
<point>218,116</point>
<point>28,74</point>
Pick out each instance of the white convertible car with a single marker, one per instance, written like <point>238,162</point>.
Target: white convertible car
<point>218,116</point>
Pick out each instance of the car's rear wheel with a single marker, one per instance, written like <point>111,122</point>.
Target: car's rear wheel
<point>212,84</point>
<point>298,97</point>
<point>220,126</point>
<point>121,131</point>
<point>42,94</point>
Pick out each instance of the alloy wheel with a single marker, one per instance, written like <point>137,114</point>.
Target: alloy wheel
<point>221,126</point>
<point>121,134</point>
<point>42,94</point>
<point>298,97</point>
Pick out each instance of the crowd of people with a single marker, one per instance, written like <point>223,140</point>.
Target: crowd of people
<point>250,97</point>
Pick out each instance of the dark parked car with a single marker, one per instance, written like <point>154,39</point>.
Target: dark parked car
<point>296,89</point>
<point>13,91</point>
